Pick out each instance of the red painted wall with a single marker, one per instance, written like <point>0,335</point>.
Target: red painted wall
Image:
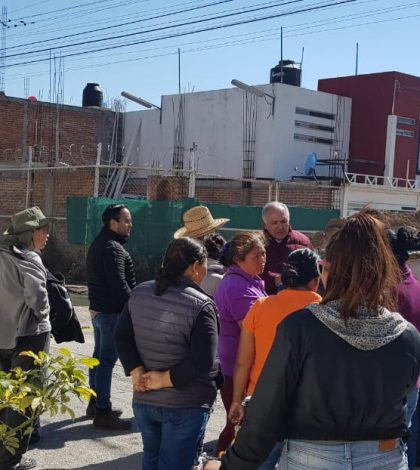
<point>372,98</point>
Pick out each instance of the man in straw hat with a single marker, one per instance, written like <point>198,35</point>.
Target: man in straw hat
<point>198,222</point>
<point>24,310</point>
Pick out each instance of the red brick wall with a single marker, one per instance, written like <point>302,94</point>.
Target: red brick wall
<point>24,124</point>
<point>231,192</point>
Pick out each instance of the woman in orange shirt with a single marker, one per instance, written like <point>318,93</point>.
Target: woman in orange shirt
<point>300,279</point>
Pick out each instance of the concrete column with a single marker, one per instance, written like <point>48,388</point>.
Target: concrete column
<point>391,134</point>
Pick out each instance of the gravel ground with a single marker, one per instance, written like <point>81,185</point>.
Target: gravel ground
<point>68,444</point>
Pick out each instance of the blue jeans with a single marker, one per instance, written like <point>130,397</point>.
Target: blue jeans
<point>170,435</point>
<point>273,457</point>
<point>411,421</point>
<point>361,455</point>
<point>100,377</point>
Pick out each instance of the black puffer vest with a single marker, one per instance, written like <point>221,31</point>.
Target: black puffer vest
<point>162,327</point>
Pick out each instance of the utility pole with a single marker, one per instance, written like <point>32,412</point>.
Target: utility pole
<point>179,70</point>
<point>357,58</point>
<point>191,180</point>
<point>281,54</point>
<point>3,48</point>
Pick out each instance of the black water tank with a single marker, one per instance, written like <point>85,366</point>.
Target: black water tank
<point>92,95</point>
<point>292,73</point>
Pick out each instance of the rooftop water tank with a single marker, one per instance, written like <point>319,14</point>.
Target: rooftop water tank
<point>92,95</point>
<point>292,73</point>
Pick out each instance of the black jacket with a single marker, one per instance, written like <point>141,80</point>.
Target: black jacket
<point>316,386</point>
<point>65,325</point>
<point>110,273</point>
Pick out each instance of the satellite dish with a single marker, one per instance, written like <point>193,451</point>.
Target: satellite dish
<point>310,164</point>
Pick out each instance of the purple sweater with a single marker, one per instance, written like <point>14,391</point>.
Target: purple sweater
<point>409,297</point>
<point>234,296</point>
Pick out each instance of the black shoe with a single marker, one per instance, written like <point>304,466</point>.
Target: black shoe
<point>24,464</point>
<point>107,419</point>
<point>91,410</point>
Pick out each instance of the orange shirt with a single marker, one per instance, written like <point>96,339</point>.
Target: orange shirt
<point>262,321</point>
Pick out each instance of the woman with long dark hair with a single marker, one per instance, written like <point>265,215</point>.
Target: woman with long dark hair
<point>335,383</point>
<point>166,340</point>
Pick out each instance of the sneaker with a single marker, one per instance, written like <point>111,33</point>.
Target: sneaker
<point>107,419</point>
<point>24,464</point>
<point>91,410</point>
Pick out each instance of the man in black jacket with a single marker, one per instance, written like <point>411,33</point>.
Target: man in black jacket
<point>110,280</point>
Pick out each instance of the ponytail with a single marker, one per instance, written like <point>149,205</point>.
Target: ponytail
<point>180,254</point>
<point>301,268</point>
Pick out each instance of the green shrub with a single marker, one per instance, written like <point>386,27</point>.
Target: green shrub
<point>47,387</point>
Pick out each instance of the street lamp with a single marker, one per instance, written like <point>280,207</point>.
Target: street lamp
<point>138,100</point>
<point>255,91</point>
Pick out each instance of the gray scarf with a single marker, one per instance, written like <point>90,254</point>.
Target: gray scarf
<point>368,330</point>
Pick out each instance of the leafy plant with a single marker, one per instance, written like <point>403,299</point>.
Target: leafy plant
<point>47,387</point>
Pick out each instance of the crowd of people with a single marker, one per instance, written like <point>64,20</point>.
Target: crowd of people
<point>317,359</point>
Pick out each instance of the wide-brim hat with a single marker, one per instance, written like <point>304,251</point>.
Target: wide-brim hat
<point>199,222</point>
<point>28,219</point>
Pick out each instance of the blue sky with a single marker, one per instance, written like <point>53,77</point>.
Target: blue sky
<point>387,32</point>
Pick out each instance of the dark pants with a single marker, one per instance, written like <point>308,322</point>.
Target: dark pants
<point>9,359</point>
<point>170,435</point>
<point>100,377</point>
<point>227,435</point>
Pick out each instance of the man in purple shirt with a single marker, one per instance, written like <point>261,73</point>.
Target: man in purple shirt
<point>281,240</point>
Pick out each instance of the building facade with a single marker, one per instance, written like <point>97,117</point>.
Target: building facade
<point>240,135</point>
<point>384,122</point>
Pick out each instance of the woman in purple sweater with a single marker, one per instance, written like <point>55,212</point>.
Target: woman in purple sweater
<point>408,305</point>
<point>240,287</point>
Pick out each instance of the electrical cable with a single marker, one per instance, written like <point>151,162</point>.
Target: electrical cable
<point>185,33</point>
<point>226,15</point>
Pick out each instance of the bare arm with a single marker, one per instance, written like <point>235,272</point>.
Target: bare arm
<point>244,360</point>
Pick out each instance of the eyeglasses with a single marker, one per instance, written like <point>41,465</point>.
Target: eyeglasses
<point>323,264</point>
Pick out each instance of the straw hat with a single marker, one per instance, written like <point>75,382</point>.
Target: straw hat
<point>199,222</point>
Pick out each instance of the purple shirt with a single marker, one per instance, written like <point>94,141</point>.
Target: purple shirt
<point>409,297</point>
<point>235,295</point>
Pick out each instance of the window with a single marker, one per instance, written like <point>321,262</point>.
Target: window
<point>313,125</point>
<point>313,139</point>
<point>404,133</point>
<point>319,114</point>
<point>407,121</point>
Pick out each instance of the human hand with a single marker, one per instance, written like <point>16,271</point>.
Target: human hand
<point>236,413</point>
<point>212,465</point>
<point>137,379</point>
<point>155,380</point>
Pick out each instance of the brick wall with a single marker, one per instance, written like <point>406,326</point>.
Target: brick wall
<point>33,124</point>
<point>231,192</point>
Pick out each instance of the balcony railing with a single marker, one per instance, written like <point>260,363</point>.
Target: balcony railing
<point>381,181</point>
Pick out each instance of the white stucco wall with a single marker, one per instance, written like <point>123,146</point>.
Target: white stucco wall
<point>214,120</point>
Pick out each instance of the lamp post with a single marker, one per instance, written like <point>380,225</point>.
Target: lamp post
<point>255,91</point>
<point>138,100</point>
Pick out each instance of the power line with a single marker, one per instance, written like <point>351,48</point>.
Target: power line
<point>73,7</point>
<point>123,24</point>
<point>225,15</point>
<point>185,33</point>
<point>257,39</point>
<point>47,29</point>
